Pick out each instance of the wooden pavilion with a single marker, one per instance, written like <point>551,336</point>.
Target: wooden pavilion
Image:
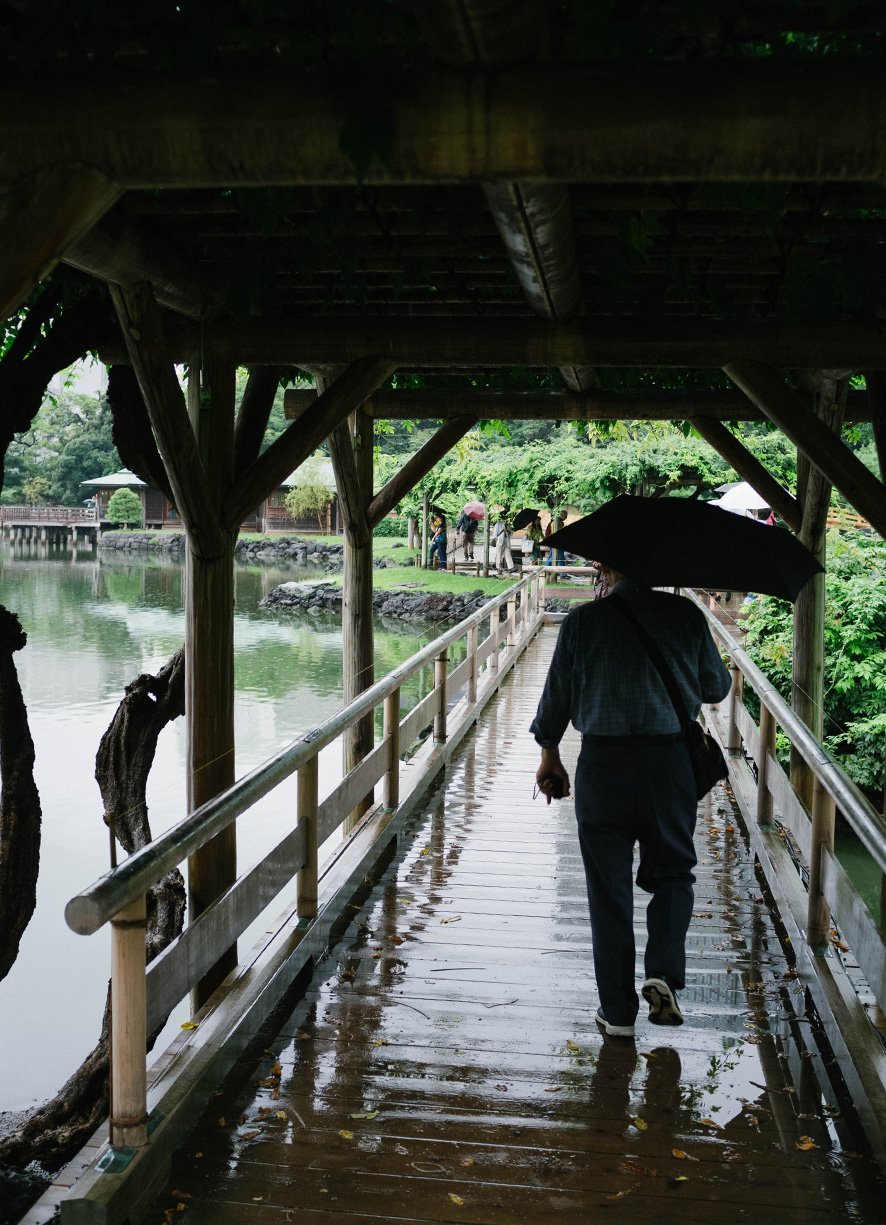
<point>449,210</point>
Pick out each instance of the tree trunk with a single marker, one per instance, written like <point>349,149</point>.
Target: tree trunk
<point>53,1132</point>
<point>19,801</point>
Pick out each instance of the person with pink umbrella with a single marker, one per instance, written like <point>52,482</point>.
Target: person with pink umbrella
<point>469,521</point>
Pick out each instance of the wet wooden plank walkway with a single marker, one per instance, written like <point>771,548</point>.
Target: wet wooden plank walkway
<point>443,1064</point>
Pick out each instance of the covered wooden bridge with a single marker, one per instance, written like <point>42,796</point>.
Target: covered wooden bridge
<point>453,212</point>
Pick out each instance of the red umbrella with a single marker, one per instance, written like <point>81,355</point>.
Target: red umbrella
<point>474,510</point>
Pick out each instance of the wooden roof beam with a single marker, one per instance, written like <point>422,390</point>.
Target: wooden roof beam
<point>750,469</point>
<point>418,466</point>
<point>342,397</point>
<point>471,344</point>
<point>40,218</point>
<point>752,120</point>
<point>810,435</point>
<point>115,252</point>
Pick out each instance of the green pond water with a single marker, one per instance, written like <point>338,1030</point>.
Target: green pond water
<point>93,624</point>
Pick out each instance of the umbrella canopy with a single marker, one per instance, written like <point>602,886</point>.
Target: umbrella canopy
<point>523,518</point>
<point>663,542</point>
<point>742,497</point>
<point>475,510</point>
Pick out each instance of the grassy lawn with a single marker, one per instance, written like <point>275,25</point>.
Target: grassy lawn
<point>435,580</point>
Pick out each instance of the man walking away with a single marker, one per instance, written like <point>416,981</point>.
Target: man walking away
<point>633,783</point>
<point>501,534</point>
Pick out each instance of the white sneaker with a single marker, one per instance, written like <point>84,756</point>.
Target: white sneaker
<point>663,1006</point>
<point>614,1031</point>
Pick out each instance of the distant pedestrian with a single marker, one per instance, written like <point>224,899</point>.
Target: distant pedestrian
<point>467,525</point>
<point>438,543</point>
<point>501,534</point>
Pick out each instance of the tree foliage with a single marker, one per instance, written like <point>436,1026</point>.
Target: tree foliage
<point>855,653</point>
<point>311,495</point>
<point>124,507</point>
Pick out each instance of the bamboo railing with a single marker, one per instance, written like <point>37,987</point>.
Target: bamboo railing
<point>142,998</point>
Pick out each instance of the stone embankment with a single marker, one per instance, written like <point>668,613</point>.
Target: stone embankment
<point>322,596</point>
<point>295,550</point>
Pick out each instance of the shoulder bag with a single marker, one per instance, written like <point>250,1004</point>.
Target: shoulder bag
<point>708,763</point>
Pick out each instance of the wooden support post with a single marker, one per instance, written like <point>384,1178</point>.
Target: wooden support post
<point>495,635</point>
<point>542,593</point>
<point>417,467</point>
<point>818,924</point>
<point>392,737</point>
<point>351,451</point>
<point>807,692</point>
<point>425,513</point>
<point>486,542</point>
<point>767,751</point>
<point>306,880</point>
<point>129,1112</point>
<point>733,744</point>
<point>209,652</point>
<point>411,534</point>
<point>472,656</point>
<point>512,621</point>
<point>441,670</point>
<point>749,469</point>
<point>876,393</point>
<point>43,215</point>
<point>811,435</point>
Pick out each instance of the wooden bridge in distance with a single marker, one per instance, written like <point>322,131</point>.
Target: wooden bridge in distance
<point>433,1054</point>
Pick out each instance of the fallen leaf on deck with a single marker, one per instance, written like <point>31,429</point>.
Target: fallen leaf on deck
<point>181,1195</point>
<point>572,1046</point>
<point>456,1199</point>
<point>805,1143</point>
<point>302,1035</point>
<point>622,1194</point>
<point>634,1167</point>
<point>346,1135</point>
<point>710,1123</point>
<point>281,1114</point>
<point>681,1156</point>
<point>466,1161</point>
<point>395,939</point>
<point>680,1178</point>
<point>453,918</point>
<point>250,1135</point>
<point>367,1114</point>
<point>221,1121</point>
<point>277,1070</point>
<point>640,1124</point>
<point>401,1149</point>
<point>190,1024</point>
<point>554,1089</point>
<point>379,1042</point>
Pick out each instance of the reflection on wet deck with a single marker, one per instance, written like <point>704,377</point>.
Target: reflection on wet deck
<point>444,1064</point>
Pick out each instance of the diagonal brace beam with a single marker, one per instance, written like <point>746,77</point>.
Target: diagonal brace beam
<point>767,389</point>
<point>143,329</point>
<point>301,439</point>
<point>417,467</point>
<point>750,469</point>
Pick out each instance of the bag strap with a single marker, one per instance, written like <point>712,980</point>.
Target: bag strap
<point>657,660</point>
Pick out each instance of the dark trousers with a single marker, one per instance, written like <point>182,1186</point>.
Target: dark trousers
<point>625,795</point>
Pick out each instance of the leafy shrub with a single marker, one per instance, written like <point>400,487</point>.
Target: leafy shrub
<point>855,653</point>
<point>125,507</point>
<point>391,525</point>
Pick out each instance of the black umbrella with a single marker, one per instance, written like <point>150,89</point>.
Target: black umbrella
<point>523,518</point>
<point>675,542</point>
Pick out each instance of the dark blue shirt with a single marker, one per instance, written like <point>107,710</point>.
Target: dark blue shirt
<point>602,680</point>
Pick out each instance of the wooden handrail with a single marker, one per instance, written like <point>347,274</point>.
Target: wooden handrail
<point>867,823</point>
<point>93,907</point>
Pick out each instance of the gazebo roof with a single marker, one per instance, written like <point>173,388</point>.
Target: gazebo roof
<point>124,479</point>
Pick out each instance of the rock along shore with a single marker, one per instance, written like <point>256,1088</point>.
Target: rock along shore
<point>298,550</point>
<point>322,596</point>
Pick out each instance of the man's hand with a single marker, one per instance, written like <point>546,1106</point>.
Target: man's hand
<point>551,776</point>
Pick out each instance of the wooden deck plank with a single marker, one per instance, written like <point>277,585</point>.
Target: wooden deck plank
<point>444,1063</point>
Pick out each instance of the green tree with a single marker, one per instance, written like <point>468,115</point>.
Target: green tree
<point>35,490</point>
<point>855,653</point>
<point>312,494</point>
<point>125,507</point>
<point>70,441</point>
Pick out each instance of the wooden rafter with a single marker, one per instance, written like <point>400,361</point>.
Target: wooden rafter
<point>430,404</point>
<point>767,389</point>
<point>253,415</point>
<point>750,469</point>
<point>876,395</point>
<point>751,120</point>
<point>477,343</point>
<point>42,216</point>
<point>417,467</point>
<point>142,328</point>
<point>301,439</point>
